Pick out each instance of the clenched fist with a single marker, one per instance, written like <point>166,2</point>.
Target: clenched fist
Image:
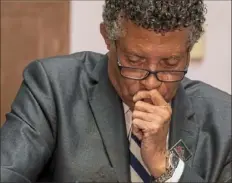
<point>150,125</point>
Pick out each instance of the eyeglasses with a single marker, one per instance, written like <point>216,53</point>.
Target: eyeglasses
<point>161,75</point>
<point>141,74</point>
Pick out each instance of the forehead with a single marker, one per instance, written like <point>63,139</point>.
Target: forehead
<point>138,39</point>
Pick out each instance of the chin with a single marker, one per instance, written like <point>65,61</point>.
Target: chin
<point>167,94</point>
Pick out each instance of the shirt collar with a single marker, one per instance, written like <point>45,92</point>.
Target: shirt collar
<point>125,108</point>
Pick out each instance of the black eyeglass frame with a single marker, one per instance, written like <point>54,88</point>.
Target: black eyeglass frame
<point>149,72</point>
<point>152,72</point>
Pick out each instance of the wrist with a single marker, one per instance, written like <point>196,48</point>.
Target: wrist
<point>161,164</point>
<point>171,166</point>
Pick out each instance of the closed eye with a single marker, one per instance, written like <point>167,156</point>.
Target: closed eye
<point>135,60</point>
<point>170,62</point>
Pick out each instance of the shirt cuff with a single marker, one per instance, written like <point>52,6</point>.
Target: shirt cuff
<point>178,172</point>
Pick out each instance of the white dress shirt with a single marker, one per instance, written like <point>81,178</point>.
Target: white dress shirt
<point>180,168</point>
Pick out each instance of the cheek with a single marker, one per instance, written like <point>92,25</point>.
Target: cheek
<point>168,90</point>
<point>130,87</point>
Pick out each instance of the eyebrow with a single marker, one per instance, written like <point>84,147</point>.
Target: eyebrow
<point>177,57</point>
<point>130,52</point>
<point>133,53</point>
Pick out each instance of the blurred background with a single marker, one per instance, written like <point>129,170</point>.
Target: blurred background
<point>35,29</point>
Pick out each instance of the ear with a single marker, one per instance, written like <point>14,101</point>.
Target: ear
<point>105,35</point>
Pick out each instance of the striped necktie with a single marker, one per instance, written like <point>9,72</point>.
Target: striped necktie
<point>138,170</point>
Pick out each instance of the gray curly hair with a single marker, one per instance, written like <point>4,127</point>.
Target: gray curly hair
<point>158,15</point>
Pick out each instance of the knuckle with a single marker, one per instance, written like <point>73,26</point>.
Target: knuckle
<point>134,127</point>
<point>153,92</point>
<point>154,109</point>
<point>134,121</point>
<point>140,94</point>
<point>155,129</point>
<point>134,114</point>
<point>137,104</point>
<point>169,111</point>
<point>166,118</point>
<point>159,119</point>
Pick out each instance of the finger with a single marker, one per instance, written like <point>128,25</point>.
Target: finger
<point>144,126</point>
<point>157,98</point>
<point>165,112</point>
<point>154,95</point>
<point>138,128</point>
<point>160,115</point>
<point>149,117</point>
<point>144,107</point>
<point>143,129</point>
<point>141,95</point>
<point>137,132</point>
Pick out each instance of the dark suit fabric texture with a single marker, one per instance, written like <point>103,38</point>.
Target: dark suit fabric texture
<point>67,124</point>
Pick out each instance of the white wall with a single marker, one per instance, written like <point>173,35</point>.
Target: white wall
<point>85,19</point>
<point>215,69</point>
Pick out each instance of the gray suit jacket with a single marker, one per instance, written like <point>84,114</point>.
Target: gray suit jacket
<point>67,124</point>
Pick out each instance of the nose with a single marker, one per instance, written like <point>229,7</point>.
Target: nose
<point>151,82</point>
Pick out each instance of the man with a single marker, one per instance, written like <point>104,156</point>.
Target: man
<point>129,115</point>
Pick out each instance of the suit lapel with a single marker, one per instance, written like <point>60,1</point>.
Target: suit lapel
<point>108,112</point>
<point>183,125</point>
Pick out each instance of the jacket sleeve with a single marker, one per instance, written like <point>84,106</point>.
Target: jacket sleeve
<point>28,135</point>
